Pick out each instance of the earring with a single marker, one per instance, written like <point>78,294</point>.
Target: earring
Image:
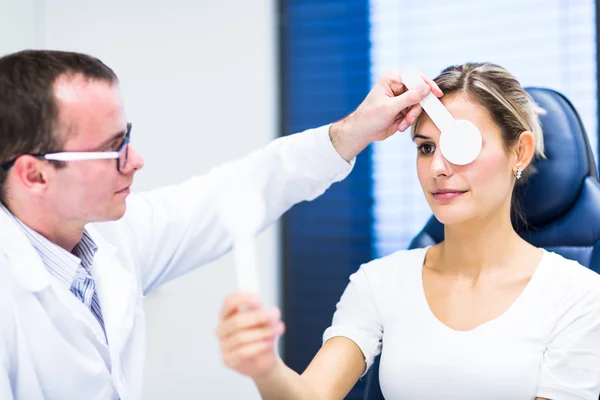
<point>518,174</point>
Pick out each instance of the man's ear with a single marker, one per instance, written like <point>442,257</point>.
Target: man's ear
<point>31,172</point>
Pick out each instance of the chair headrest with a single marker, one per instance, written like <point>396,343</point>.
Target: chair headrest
<point>552,191</point>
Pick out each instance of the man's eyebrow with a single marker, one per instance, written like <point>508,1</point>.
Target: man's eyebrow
<point>419,136</point>
<point>112,140</point>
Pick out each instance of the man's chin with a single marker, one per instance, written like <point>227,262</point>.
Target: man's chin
<point>118,213</point>
<point>112,215</point>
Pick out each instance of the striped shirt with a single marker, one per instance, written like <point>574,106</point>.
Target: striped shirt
<point>71,269</point>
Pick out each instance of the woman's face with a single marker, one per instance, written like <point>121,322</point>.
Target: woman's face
<point>462,193</point>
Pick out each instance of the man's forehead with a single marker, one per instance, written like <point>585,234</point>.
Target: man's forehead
<point>65,90</point>
<point>89,106</point>
<point>77,88</point>
<point>79,96</point>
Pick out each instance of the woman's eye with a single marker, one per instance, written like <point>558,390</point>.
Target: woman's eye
<point>426,149</point>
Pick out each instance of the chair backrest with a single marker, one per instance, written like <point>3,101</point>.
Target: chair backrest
<point>561,202</point>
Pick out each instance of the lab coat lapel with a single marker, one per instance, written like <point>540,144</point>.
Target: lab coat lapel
<point>116,289</point>
<point>23,259</point>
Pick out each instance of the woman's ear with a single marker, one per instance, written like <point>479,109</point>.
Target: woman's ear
<point>524,149</point>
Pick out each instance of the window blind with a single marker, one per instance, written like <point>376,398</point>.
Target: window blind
<point>331,52</point>
<point>550,43</point>
<point>325,67</point>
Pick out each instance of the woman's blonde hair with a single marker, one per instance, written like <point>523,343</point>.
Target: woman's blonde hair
<point>498,92</point>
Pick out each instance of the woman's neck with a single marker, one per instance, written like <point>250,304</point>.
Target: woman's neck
<point>479,246</point>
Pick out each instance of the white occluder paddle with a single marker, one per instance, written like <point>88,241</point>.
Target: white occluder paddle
<point>242,211</point>
<point>460,140</point>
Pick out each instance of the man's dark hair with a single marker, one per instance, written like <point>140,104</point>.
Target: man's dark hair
<point>29,115</point>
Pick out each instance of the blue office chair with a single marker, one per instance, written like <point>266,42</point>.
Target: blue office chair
<point>561,202</point>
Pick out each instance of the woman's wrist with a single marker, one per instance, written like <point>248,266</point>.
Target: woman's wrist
<point>274,374</point>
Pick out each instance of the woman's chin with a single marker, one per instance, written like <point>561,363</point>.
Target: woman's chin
<point>449,216</point>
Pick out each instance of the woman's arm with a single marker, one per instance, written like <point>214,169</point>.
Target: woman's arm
<point>247,333</point>
<point>331,374</point>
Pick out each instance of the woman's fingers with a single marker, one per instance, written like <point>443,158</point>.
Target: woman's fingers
<point>238,301</point>
<point>248,319</point>
<point>240,356</point>
<point>247,334</point>
<point>263,334</point>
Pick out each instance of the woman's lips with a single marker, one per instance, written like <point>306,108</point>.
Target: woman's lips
<point>448,195</point>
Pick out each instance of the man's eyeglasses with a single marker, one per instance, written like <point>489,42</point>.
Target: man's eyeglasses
<point>121,154</point>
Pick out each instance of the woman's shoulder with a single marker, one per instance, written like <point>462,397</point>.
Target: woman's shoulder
<point>569,298</point>
<point>569,276</point>
<point>383,278</point>
<point>396,262</point>
<point>559,265</point>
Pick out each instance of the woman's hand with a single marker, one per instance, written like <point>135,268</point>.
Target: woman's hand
<point>247,334</point>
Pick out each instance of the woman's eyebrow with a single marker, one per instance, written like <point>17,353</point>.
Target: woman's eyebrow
<point>419,136</point>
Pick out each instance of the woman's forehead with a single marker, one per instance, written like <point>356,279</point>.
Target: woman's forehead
<point>460,107</point>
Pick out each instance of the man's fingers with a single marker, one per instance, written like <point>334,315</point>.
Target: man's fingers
<point>392,81</point>
<point>397,87</point>
<point>409,98</point>
<point>434,87</point>
<point>405,121</point>
<point>413,113</point>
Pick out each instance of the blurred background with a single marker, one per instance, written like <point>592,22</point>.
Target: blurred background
<point>208,81</point>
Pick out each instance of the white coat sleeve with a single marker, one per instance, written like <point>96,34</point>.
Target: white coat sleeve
<point>6,330</point>
<point>5,386</point>
<point>6,390</point>
<point>177,228</point>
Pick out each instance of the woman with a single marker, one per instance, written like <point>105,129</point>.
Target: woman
<point>483,314</point>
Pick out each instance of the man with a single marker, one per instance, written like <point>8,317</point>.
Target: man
<point>71,312</point>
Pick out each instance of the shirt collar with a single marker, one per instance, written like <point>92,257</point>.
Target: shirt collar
<point>60,263</point>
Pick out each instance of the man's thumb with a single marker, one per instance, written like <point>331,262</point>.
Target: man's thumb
<point>410,97</point>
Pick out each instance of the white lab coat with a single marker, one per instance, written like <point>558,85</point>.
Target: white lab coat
<point>52,347</point>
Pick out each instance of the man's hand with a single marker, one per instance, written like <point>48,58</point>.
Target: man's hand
<point>389,107</point>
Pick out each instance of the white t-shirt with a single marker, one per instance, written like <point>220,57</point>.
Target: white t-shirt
<point>547,343</point>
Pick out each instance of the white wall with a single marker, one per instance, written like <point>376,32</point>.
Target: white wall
<point>18,25</point>
<point>199,80</point>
